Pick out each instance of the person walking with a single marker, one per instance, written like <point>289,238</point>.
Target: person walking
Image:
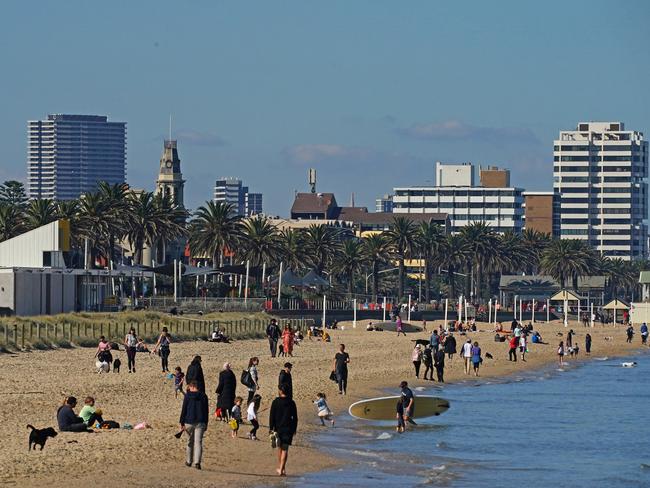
<point>467,355</point>
<point>273,335</point>
<point>194,421</point>
<point>162,346</point>
<point>408,403</point>
<point>512,349</point>
<point>252,369</point>
<point>226,390</point>
<point>286,380</point>
<point>251,416</point>
<point>287,340</point>
<point>644,333</point>
<point>476,358</point>
<point>399,326</point>
<point>130,343</point>
<point>450,346</point>
<point>588,343</point>
<point>523,345</point>
<point>439,364</point>
<point>427,359</point>
<point>195,373</point>
<point>340,368</point>
<point>569,339</point>
<point>630,334</point>
<point>283,421</point>
<point>560,353</point>
<point>416,357</point>
<point>434,340</point>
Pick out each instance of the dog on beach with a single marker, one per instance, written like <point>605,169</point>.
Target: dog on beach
<point>489,356</point>
<point>102,367</point>
<point>38,437</point>
<point>116,365</point>
<point>422,342</point>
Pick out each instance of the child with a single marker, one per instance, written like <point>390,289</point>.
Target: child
<point>253,407</point>
<point>560,353</point>
<point>400,417</point>
<point>235,416</point>
<point>281,350</point>
<point>89,413</point>
<point>324,412</point>
<point>179,378</point>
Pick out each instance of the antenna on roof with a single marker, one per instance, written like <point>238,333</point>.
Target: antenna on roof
<point>352,199</point>
<point>170,127</point>
<point>312,179</point>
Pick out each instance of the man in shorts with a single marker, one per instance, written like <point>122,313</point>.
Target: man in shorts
<point>408,403</point>
<point>283,420</point>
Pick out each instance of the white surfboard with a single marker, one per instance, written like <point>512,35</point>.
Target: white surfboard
<point>385,408</point>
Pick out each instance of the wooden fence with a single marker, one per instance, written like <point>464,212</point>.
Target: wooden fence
<point>23,334</point>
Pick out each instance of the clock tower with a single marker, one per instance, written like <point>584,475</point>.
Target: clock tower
<point>170,179</point>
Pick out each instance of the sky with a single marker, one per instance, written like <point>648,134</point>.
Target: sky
<point>370,93</point>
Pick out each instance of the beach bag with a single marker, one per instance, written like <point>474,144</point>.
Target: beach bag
<point>333,377</point>
<point>110,424</point>
<point>273,437</point>
<point>217,413</point>
<point>247,379</point>
<point>234,425</point>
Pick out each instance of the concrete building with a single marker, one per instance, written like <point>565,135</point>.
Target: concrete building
<point>540,211</point>
<point>493,177</point>
<point>384,204</point>
<point>456,195</point>
<point>231,190</point>
<point>600,173</point>
<point>69,155</point>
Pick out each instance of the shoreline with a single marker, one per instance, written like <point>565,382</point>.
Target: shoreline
<point>379,360</point>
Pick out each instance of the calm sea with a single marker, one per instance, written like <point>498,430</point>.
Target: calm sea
<point>588,425</point>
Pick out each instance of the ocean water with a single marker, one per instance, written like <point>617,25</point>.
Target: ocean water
<point>588,425</point>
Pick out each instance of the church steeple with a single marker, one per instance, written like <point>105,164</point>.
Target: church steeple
<point>170,179</point>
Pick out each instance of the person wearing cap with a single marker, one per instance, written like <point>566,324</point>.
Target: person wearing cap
<point>273,334</point>
<point>285,379</point>
<point>226,389</point>
<point>416,356</point>
<point>408,402</point>
<point>195,373</point>
<point>283,420</point>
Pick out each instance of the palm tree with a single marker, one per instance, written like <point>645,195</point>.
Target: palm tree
<point>215,228</point>
<point>377,251</point>
<point>568,259</point>
<point>39,213</point>
<point>92,222</point>
<point>144,224</point>
<point>116,202</point>
<point>453,256</point>
<point>172,225</point>
<point>534,242</point>
<point>350,260</point>
<point>481,240</point>
<point>402,238</point>
<point>69,210</point>
<point>430,237</point>
<point>291,248</point>
<point>11,222</point>
<point>320,243</point>
<point>260,242</point>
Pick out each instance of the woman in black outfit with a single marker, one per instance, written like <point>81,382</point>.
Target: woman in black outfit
<point>226,391</point>
<point>164,340</point>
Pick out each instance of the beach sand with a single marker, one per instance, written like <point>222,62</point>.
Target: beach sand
<point>33,384</point>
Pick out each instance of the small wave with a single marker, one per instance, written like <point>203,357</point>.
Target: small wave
<point>420,388</point>
<point>645,466</point>
<point>384,436</point>
<point>601,359</point>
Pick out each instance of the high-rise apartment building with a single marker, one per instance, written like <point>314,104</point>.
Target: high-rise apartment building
<point>600,173</point>
<point>384,204</point>
<point>456,195</point>
<point>231,190</point>
<point>69,155</point>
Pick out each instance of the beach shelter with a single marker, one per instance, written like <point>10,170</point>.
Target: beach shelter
<point>566,296</point>
<point>312,279</point>
<point>289,278</point>
<point>616,305</point>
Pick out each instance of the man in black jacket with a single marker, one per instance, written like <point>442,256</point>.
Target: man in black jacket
<point>439,364</point>
<point>194,421</point>
<point>285,379</point>
<point>283,420</point>
<point>195,373</point>
<point>273,333</point>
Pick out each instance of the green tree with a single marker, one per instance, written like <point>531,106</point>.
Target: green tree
<point>291,249</point>
<point>567,260</point>
<point>116,204</point>
<point>534,242</point>
<point>13,193</point>
<point>377,251</point>
<point>481,241</point>
<point>453,256</point>
<point>11,222</point>
<point>402,236</point>
<point>92,223</point>
<point>261,241</point>
<point>430,238</point>
<point>144,224</point>
<point>350,260</point>
<point>214,228</point>
<point>320,243</point>
<point>39,213</point>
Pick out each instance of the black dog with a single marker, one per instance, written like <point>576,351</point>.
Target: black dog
<point>116,365</point>
<point>488,355</point>
<point>422,342</point>
<point>39,436</point>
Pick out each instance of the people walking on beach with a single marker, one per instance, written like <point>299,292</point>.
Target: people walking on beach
<point>255,385</point>
<point>476,358</point>
<point>103,352</point>
<point>434,340</point>
<point>512,349</point>
<point>416,357</point>
<point>162,346</point>
<point>130,344</point>
<point>569,339</point>
<point>226,390</point>
<point>439,363</point>
<point>450,346</point>
<point>630,334</point>
<point>427,359</point>
<point>523,345</point>
<point>398,326</point>
<point>408,402</point>
<point>340,368</point>
<point>273,335</point>
<point>324,412</point>
<point>588,344</point>
<point>195,373</point>
<point>560,353</point>
<point>283,421</point>
<point>467,355</point>
<point>251,416</point>
<point>644,333</point>
<point>194,421</point>
<point>287,340</point>
<point>235,417</point>
<point>286,380</point>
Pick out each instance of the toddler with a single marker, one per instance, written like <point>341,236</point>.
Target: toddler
<point>235,416</point>
<point>179,378</point>
<point>324,412</point>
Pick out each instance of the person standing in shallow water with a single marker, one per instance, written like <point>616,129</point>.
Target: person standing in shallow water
<point>340,368</point>
<point>588,343</point>
<point>283,421</point>
<point>439,363</point>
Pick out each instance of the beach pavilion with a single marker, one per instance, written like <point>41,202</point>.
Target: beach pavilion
<point>615,305</point>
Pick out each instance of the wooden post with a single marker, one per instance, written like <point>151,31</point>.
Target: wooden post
<point>16,336</point>
<point>38,331</point>
<point>22,334</point>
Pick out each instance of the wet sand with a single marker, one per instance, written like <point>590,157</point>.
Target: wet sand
<point>33,384</point>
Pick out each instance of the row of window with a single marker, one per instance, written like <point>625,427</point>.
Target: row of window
<point>596,200</point>
<point>607,147</point>
<point>596,179</point>
<point>456,193</point>
<point>599,169</point>
<point>595,159</point>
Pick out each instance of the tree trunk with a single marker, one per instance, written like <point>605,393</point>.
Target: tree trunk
<point>452,282</point>
<point>400,291</point>
<point>350,281</point>
<point>375,280</point>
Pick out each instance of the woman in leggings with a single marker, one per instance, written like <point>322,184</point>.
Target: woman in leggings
<point>130,343</point>
<point>164,340</point>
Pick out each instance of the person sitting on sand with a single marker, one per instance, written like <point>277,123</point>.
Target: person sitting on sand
<point>67,419</point>
<point>141,346</point>
<point>326,336</point>
<point>89,413</point>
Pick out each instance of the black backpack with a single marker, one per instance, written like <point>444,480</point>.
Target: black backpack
<point>247,379</point>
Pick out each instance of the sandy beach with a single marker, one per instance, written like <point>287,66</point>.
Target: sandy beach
<point>33,384</point>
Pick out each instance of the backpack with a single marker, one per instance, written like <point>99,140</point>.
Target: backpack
<point>246,379</point>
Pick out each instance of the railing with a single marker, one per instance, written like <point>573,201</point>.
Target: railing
<point>205,304</point>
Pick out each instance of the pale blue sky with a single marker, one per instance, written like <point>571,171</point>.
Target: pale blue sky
<point>370,93</point>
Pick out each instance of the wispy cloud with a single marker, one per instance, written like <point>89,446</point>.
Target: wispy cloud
<point>198,138</point>
<point>304,154</point>
<point>456,130</point>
